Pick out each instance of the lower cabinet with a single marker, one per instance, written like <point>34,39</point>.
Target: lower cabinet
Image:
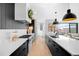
<point>55,49</point>
<point>22,50</point>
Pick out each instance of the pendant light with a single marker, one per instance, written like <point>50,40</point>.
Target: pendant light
<point>69,16</point>
<point>55,21</point>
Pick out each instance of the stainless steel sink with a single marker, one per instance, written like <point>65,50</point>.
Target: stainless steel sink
<point>53,36</point>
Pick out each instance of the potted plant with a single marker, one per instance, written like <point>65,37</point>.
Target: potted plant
<point>31,25</point>
<point>30,14</point>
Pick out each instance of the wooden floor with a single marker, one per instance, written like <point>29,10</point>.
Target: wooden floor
<point>39,48</point>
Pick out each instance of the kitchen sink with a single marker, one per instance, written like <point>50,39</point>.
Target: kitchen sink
<point>25,36</point>
<point>53,36</point>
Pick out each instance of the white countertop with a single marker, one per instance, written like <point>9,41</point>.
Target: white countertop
<point>69,44</point>
<point>8,46</point>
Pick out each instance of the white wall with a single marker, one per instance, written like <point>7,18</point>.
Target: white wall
<point>45,11</point>
<point>75,9</point>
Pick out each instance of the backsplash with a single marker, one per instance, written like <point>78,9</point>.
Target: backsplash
<point>6,33</point>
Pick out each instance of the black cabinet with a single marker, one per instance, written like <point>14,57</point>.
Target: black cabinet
<point>22,50</point>
<point>55,49</point>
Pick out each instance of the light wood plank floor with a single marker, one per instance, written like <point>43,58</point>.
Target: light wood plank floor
<point>39,48</point>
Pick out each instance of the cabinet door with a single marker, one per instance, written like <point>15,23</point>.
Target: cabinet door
<point>50,45</point>
<point>20,11</point>
<point>0,16</point>
<point>55,49</point>
<point>21,51</point>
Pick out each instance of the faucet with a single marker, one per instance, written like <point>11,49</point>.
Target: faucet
<point>56,34</point>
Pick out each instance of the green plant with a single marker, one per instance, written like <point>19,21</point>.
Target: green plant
<point>30,13</point>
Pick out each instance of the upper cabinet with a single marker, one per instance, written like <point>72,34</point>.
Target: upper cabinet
<point>21,12</point>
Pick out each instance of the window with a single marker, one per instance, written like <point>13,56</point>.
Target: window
<point>73,27</point>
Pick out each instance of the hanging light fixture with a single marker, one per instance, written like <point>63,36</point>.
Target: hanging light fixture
<point>55,21</point>
<point>69,16</point>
